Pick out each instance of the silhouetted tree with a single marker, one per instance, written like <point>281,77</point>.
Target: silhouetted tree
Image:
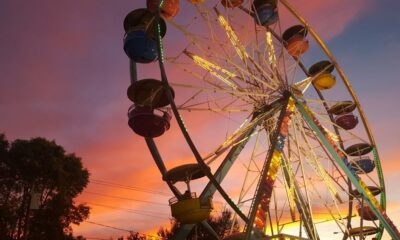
<point>221,224</point>
<point>38,170</point>
<point>135,236</point>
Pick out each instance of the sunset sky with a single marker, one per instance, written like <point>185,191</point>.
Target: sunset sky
<point>64,75</point>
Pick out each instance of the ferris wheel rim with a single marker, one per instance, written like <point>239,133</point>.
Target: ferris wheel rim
<point>340,73</point>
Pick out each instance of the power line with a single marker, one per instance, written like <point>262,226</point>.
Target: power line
<point>120,229</point>
<point>108,226</point>
<point>123,198</point>
<point>133,188</point>
<point>139,212</point>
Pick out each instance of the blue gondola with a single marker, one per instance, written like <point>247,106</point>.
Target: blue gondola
<point>141,31</point>
<point>363,166</point>
<point>266,12</point>
<point>140,48</point>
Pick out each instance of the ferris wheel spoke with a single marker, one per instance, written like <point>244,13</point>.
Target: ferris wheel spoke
<point>245,96</point>
<point>305,204</point>
<point>237,136</point>
<point>272,60</point>
<point>208,102</point>
<point>220,90</point>
<point>247,75</point>
<point>241,50</point>
<point>298,198</point>
<point>312,158</point>
<point>339,219</point>
<point>227,77</point>
<point>286,168</point>
<point>271,50</point>
<point>217,71</point>
<point>216,110</point>
<point>208,65</point>
<point>233,38</point>
<point>341,176</point>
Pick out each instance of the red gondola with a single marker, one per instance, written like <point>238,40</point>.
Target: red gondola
<point>347,122</point>
<point>365,212</point>
<point>145,122</point>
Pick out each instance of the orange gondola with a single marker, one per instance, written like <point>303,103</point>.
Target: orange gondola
<point>295,39</point>
<point>169,9</point>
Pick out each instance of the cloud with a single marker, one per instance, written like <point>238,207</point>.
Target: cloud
<point>330,18</point>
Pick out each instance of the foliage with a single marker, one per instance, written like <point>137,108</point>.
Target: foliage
<point>39,169</point>
<point>135,236</point>
<point>221,224</point>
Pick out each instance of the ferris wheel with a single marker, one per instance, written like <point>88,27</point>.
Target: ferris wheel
<point>288,145</point>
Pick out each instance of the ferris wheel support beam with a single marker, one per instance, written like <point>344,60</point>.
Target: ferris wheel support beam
<point>342,161</point>
<point>223,169</point>
<point>270,169</point>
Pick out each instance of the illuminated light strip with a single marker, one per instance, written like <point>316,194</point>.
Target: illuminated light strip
<point>326,134</point>
<point>334,137</point>
<point>271,50</point>
<point>268,181</point>
<point>212,68</point>
<point>240,50</point>
<point>161,43</point>
<point>370,195</point>
<point>208,65</point>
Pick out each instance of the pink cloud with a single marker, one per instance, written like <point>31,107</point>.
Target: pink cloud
<point>330,18</point>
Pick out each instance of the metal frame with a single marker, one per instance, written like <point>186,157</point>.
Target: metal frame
<point>216,179</point>
<point>275,146</point>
